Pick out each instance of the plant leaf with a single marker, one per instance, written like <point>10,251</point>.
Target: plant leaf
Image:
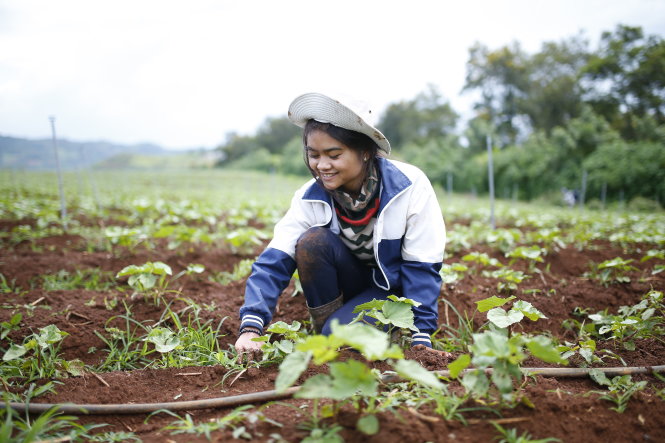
<point>291,368</point>
<point>459,364</point>
<point>492,302</point>
<point>368,425</point>
<point>528,310</point>
<point>412,370</point>
<point>503,319</point>
<point>14,352</point>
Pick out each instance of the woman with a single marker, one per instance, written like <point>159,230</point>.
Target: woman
<point>363,228</point>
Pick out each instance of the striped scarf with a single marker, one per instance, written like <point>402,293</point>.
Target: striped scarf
<point>357,217</point>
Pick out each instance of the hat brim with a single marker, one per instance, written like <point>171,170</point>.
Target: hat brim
<point>328,110</point>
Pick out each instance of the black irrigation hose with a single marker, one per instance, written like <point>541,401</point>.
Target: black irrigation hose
<point>265,396</point>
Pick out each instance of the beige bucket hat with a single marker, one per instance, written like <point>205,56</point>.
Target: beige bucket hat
<point>345,112</point>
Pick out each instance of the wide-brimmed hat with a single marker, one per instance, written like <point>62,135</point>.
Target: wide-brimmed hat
<point>347,113</point>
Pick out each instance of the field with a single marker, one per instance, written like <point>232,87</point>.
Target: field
<point>134,300</point>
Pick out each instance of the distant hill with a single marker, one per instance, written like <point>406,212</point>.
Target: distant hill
<point>21,153</point>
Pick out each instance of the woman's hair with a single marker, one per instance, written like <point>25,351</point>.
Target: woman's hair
<point>358,142</point>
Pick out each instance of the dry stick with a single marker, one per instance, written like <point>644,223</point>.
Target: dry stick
<point>266,396</point>
<point>498,421</point>
<point>99,377</point>
<point>36,302</point>
<point>185,374</point>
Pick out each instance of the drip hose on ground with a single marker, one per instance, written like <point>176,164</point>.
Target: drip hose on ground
<point>272,395</point>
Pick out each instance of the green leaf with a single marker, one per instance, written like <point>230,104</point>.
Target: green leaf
<point>528,310</point>
<point>323,348</point>
<point>48,335</point>
<point>142,282</point>
<point>75,367</point>
<point>372,343</point>
<point>368,425</point>
<point>406,300</point>
<point>346,379</point>
<point>459,364</point>
<point>164,339</point>
<point>599,377</point>
<point>159,268</point>
<point>281,327</point>
<point>412,370</point>
<point>317,386</point>
<point>291,368</point>
<point>492,302</point>
<point>195,269</point>
<point>476,382</point>
<point>373,304</point>
<point>14,352</point>
<point>129,270</point>
<point>541,347</point>
<point>352,377</point>
<point>399,314</point>
<point>503,319</point>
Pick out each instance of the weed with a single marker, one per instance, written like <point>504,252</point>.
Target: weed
<point>611,271</point>
<point>510,436</point>
<point>91,279</point>
<point>620,388</point>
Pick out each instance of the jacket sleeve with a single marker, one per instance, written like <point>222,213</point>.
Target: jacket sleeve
<point>422,254</point>
<point>274,268</point>
<point>270,275</point>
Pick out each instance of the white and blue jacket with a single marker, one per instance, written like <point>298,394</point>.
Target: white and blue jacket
<point>409,240</point>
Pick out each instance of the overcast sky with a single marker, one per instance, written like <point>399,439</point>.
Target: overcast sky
<point>184,73</point>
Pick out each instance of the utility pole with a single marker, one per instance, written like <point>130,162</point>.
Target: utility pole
<point>63,206</point>
<point>490,178</point>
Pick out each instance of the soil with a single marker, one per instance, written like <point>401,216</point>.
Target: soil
<point>567,409</point>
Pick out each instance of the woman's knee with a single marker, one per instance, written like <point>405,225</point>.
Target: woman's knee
<point>313,241</point>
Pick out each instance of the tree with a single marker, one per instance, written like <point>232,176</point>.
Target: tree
<point>554,93</point>
<point>425,117</point>
<point>627,78</point>
<point>501,76</point>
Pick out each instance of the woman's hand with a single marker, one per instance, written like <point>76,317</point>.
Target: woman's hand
<point>246,347</point>
<point>444,354</point>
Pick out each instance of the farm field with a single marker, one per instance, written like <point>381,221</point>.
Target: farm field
<point>136,301</point>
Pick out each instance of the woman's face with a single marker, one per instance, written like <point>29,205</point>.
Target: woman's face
<point>337,165</point>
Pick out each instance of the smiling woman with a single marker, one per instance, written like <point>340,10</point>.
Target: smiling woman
<point>363,228</point>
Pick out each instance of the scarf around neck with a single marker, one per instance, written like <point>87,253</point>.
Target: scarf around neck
<point>367,192</point>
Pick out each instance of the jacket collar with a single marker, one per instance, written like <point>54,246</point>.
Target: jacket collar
<point>393,182</point>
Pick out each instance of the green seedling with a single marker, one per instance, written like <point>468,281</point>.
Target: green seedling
<point>8,287</point>
<point>620,388</point>
<point>240,271</point>
<point>233,420</point>
<point>509,279</point>
<point>38,356</point>
<point>531,254</point>
<point>495,349</point>
<point>611,271</point>
<point>482,259</point>
<point>391,315</point>
<point>510,436</point>
<point>452,273</point>
<point>245,240</point>
<point>8,326</point>
<point>49,426</point>
<point>149,279</point>
<point>280,340</point>
<point>550,238</point>
<point>646,319</point>
<point>90,279</point>
<point>502,318</point>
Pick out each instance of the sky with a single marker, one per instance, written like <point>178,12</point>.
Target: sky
<point>184,74</point>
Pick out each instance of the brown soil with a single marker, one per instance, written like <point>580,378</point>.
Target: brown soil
<point>563,408</point>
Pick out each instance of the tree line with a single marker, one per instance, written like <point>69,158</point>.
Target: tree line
<point>566,117</point>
